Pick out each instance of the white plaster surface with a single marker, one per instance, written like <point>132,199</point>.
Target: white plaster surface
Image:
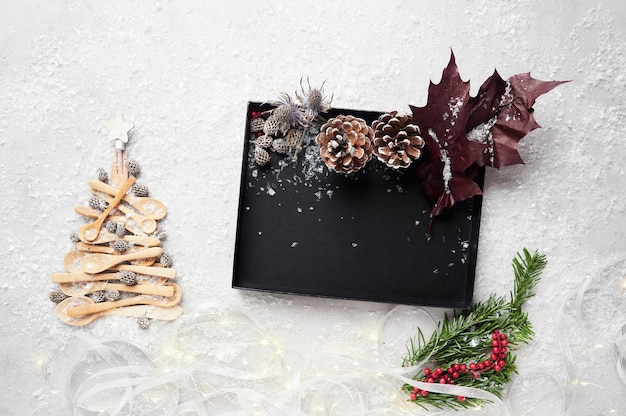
<point>183,72</point>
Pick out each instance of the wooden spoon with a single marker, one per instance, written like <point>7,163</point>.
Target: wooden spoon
<point>89,232</point>
<point>73,260</point>
<point>93,248</point>
<point>131,226</point>
<point>147,224</point>
<point>85,277</point>
<point>149,271</point>
<point>91,307</point>
<point>136,311</point>
<point>98,262</point>
<point>149,207</point>
<point>84,288</point>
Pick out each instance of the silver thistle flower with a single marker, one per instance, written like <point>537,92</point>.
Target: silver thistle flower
<point>313,100</point>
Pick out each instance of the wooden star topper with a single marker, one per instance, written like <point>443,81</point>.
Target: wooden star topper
<point>118,130</point>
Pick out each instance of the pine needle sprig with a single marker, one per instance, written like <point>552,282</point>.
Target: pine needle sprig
<point>467,339</point>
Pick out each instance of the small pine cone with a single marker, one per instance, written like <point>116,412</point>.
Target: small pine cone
<point>110,226</point>
<point>57,296</point>
<point>143,322</point>
<point>119,246</point>
<point>102,175</point>
<point>345,143</point>
<point>285,116</point>
<point>112,295</point>
<point>133,167</point>
<point>166,260</point>
<point>271,126</point>
<point>127,277</point>
<point>280,146</point>
<point>294,139</point>
<point>97,203</point>
<point>120,231</point>
<point>261,156</point>
<point>397,142</point>
<point>140,190</point>
<point>74,237</point>
<point>264,141</point>
<point>160,233</point>
<point>257,124</point>
<point>98,296</point>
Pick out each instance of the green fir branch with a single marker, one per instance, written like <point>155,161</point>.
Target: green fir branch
<point>466,337</point>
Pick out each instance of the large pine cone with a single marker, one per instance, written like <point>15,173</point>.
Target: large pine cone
<point>345,143</point>
<point>397,142</point>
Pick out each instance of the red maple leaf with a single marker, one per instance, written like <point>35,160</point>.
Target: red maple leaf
<point>502,115</point>
<point>443,122</point>
<point>462,132</point>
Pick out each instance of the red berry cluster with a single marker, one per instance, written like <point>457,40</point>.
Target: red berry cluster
<point>495,362</point>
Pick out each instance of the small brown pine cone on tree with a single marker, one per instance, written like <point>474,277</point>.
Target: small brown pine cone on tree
<point>345,143</point>
<point>397,142</point>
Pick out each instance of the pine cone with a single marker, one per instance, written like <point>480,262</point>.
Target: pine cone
<point>257,125</point>
<point>120,230</point>
<point>280,146</point>
<point>271,126</point>
<point>345,143</point>
<point>102,175</point>
<point>57,296</point>
<point>261,156</point>
<point>119,246</point>
<point>264,141</point>
<point>127,277</point>
<point>166,260</point>
<point>133,167</point>
<point>397,142</point>
<point>110,226</point>
<point>160,233</point>
<point>294,139</point>
<point>112,295</point>
<point>97,203</point>
<point>143,322</point>
<point>140,190</point>
<point>98,296</point>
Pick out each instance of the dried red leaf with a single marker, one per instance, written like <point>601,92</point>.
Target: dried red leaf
<point>462,131</point>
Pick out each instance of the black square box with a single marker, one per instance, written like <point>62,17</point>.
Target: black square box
<point>302,229</point>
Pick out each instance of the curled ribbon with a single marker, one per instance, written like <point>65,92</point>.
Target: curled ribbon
<point>220,360</point>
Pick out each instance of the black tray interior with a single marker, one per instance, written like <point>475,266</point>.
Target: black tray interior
<point>304,230</point>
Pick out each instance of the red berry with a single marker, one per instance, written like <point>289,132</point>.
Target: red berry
<point>502,336</point>
<point>455,375</point>
<point>463,367</point>
<point>487,363</point>
<point>442,381</point>
<point>495,343</point>
<point>493,357</point>
<point>424,393</point>
<point>430,380</point>
<point>450,370</point>
<point>426,371</point>
<point>413,396</point>
<point>472,366</point>
<point>416,389</point>
<point>475,375</point>
<point>460,398</point>
<point>481,366</point>
<point>504,342</point>
<point>496,350</point>
<point>497,368</point>
<point>439,370</point>
<point>503,350</point>
<point>501,363</point>
<point>456,367</point>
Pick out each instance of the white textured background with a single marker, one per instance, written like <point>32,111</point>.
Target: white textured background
<point>183,73</point>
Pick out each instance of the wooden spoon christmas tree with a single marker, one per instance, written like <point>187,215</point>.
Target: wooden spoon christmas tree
<point>117,266</point>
